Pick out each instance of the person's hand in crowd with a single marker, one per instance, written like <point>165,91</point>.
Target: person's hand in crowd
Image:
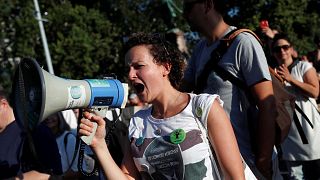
<point>283,71</point>
<point>268,32</point>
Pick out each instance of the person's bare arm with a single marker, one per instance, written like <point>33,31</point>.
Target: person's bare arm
<point>31,175</point>
<point>263,94</point>
<point>128,167</point>
<point>224,142</point>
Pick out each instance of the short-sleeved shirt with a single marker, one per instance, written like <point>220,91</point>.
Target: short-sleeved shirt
<point>11,141</point>
<point>157,157</point>
<point>293,148</point>
<point>245,59</point>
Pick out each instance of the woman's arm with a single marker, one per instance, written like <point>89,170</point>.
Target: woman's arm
<point>99,146</point>
<point>31,175</point>
<point>224,142</point>
<point>128,167</point>
<point>310,84</point>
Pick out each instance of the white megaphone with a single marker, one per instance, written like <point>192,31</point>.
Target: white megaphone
<point>37,94</point>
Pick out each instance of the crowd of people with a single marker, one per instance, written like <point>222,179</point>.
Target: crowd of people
<point>170,128</point>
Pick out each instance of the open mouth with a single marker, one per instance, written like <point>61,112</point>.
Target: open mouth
<point>138,87</point>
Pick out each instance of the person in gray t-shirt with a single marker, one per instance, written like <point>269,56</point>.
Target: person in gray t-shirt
<point>244,59</point>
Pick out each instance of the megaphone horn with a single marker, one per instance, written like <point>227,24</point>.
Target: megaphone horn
<point>38,94</point>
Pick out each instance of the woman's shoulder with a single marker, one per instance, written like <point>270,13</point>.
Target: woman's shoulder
<point>303,63</point>
<point>304,66</point>
<point>204,98</point>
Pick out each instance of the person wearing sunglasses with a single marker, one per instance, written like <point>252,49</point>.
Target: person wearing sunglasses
<point>166,140</point>
<point>246,60</point>
<point>301,149</point>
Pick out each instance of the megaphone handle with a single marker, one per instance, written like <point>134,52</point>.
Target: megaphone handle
<point>88,139</point>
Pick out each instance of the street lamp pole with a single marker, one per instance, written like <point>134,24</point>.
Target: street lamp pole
<point>43,37</point>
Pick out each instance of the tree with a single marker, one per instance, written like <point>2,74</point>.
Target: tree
<point>18,37</point>
<point>299,19</point>
<point>85,38</point>
<point>84,44</point>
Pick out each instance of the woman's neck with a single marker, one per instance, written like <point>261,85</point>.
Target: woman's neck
<point>288,62</point>
<point>169,105</point>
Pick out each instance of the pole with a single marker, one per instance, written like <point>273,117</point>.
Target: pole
<point>43,37</point>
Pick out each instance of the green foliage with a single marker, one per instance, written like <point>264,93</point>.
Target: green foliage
<point>299,19</point>
<point>85,38</point>
<point>18,38</point>
<point>83,43</point>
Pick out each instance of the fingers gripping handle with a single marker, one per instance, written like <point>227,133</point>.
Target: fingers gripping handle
<point>88,139</point>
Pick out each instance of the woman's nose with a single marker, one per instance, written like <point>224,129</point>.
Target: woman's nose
<point>132,74</point>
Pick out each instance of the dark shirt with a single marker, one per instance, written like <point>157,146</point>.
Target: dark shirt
<point>45,158</point>
<point>11,140</point>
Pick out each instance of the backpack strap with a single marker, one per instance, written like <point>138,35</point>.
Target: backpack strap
<point>113,122</point>
<point>204,133</point>
<point>216,56</point>
<point>234,33</point>
<point>65,142</point>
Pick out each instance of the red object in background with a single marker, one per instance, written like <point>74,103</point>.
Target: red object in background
<point>264,24</point>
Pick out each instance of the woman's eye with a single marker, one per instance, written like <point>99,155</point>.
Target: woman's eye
<point>139,66</point>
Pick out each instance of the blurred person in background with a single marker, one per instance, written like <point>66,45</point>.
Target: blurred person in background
<point>314,56</point>
<point>71,118</point>
<point>134,105</point>
<point>134,100</point>
<point>246,60</point>
<point>176,37</point>
<point>11,144</point>
<point>301,149</point>
<point>66,142</point>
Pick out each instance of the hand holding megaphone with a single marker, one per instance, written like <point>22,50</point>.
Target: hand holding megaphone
<point>92,129</point>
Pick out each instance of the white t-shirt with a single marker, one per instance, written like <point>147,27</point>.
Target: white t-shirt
<point>293,148</point>
<point>155,155</point>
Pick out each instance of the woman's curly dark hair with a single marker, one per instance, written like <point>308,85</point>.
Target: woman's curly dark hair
<point>163,52</point>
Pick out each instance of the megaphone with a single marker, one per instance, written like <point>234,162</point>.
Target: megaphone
<point>37,94</point>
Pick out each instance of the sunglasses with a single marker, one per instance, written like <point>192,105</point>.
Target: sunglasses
<point>187,6</point>
<point>277,49</point>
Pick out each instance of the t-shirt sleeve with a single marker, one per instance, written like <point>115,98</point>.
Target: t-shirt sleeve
<point>305,66</point>
<point>203,104</point>
<point>253,63</point>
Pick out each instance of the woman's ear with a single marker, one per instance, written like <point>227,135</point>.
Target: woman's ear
<point>166,69</point>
